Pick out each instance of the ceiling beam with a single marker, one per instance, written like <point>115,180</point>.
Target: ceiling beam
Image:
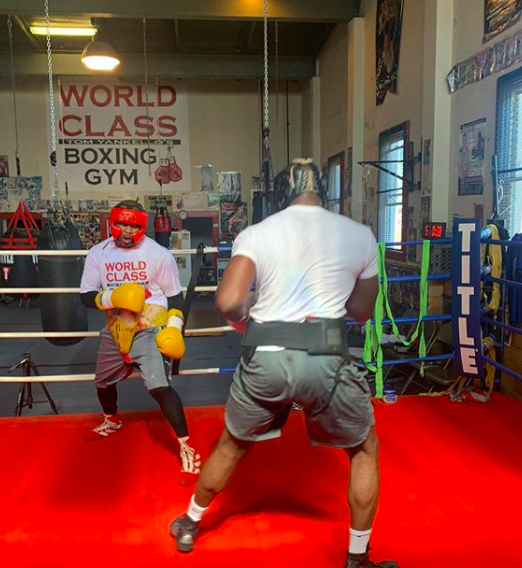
<point>282,10</point>
<point>21,21</point>
<point>178,66</point>
<point>245,36</point>
<point>176,36</point>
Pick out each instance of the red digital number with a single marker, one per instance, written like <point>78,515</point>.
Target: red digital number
<point>436,231</point>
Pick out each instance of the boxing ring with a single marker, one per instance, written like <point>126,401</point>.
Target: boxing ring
<point>467,274</point>
<point>447,469</point>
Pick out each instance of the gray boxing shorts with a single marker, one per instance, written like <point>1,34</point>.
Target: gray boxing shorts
<point>265,387</point>
<point>146,357</point>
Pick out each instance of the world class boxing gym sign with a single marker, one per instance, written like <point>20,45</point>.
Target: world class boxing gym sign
<point>467,337</point>
<point>118,136</point>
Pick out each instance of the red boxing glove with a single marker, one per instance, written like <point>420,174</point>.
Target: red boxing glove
<point>175,173</point>
<point>162,173</point>
<point>239,326</point>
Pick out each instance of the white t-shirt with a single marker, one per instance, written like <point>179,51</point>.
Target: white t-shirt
<point>108,266</point>
<point>307,262</point>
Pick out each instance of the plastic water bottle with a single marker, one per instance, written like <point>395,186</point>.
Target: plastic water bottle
<point>389,394</point>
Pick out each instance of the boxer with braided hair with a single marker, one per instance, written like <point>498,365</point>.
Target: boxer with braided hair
<point>311,268</point>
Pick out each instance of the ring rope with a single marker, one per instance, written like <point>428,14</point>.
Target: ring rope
<point>209,371</point>
<point>32,252</point>
<point>90,377</point>
<point>70,334</point>
<point>77,290</point>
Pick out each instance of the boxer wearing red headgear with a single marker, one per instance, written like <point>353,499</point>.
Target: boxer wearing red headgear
<point>122,216</point>
<point>136,282</point>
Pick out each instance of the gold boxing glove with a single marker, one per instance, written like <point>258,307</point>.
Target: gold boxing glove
<point>170,339</point>
<point>125,297</point>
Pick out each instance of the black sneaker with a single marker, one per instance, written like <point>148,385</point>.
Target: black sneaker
<point>363,561</point>
<point>184,531</point>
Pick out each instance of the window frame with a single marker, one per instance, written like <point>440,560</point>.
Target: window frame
<point>404,128</point>
<point>339,157</point>
<point>511,77</point>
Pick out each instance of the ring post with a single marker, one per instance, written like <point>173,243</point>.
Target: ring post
<point>467,336</point>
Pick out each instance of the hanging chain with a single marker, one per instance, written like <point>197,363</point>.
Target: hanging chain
<point>159,143</point>
<point>55,193</point>
<point>13,82</point>
<point>60,101</point>
<point>277,69</point>
<point>146,64</point>
<point>266,123</point>
<point>266,160</point>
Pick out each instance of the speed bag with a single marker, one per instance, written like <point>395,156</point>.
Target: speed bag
<point>163,228</point>
<point>61,312</point>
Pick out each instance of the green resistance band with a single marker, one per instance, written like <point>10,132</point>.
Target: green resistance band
<point>372,342</point>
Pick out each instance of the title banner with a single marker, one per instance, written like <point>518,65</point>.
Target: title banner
<point>467,336</point>
<point>111,137</point>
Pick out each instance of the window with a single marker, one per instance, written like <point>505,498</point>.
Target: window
<point>391,192</point>
<point>334,183</point>
<point>509,150</point>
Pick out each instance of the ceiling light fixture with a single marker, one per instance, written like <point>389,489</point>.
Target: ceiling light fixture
<point>100,56</point>
<point>64,31</point>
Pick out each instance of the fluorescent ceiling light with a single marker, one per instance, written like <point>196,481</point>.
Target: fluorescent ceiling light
<point>100,56</point>
<point>64,31</point>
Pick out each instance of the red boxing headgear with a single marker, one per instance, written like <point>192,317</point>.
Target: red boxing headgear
<point>128,217</point>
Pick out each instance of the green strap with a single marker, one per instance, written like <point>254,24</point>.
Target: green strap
<point>372,342</point>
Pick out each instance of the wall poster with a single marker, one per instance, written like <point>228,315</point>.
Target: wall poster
<point>387,46</point>
<point>500,15</point>
<point>471,157</point>
<point>4,167</point>
<point>113,138</point>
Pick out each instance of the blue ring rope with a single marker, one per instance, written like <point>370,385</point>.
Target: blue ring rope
<point>493,322</point>
<point>503,281</point>
<point>502,368</point>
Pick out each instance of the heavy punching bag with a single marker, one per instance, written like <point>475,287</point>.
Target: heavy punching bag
<point>61,312</point>
<point>163,227</point>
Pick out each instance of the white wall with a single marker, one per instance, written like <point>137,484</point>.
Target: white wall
<point>405,105</point>
<point>224,127</point>
<point>336,111</point>
<point>473,102</point>
<point>333,69</point>
<point>468,104</point>
<point>32,126</point>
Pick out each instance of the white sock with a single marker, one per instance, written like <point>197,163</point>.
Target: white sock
<point>359,541</point>
<point>112,417</point>
<point>195,512</point>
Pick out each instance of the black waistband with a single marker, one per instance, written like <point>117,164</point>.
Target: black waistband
<point>319,336</point>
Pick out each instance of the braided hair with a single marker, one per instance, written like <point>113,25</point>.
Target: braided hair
<point>301,176</point>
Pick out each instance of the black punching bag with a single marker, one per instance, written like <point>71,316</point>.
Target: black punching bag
<point>61,312</point>
<point>163,227</point>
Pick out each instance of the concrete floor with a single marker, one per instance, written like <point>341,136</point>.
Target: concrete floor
<point>76,397</point>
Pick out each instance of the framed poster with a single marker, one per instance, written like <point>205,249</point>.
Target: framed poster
<point>500,15</point>
<point>471,157</point>
<point>119,138</point>
<point>4,166</point>
<point>387,46</point>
